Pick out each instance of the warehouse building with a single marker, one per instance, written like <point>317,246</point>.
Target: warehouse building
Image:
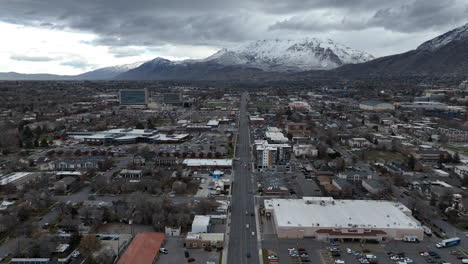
<point>325,218</point>
<point>376,106</point>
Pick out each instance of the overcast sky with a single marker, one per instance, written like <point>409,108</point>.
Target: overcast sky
<point>74,36</point>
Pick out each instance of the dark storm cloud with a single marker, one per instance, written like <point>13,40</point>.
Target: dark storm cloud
<point>400,16</point>
<point>31,58</point>
<point>421,15</point>
<point>216,22</point>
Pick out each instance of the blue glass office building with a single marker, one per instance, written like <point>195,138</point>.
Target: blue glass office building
<point>133,97</point>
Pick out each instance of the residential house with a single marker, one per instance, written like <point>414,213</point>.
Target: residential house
<point>354,175</point>
<point>460,170</point>
<point>346,189</point>
<point>373,186</point>
<point>358,143</point>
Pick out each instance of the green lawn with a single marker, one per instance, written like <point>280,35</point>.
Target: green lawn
<point>459,149</point>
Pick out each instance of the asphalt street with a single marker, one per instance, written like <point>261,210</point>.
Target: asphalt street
<point>243,235</point>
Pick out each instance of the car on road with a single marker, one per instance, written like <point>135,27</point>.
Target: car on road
<point>349,251</point>
<point>253,233</point>
<point>248,254</point>
<point>163,250</point>
<point>247,226</point>
<point>190,260</point>
<point>76,254</point>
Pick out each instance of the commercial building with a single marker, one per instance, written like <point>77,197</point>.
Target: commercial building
<point>18,179</point>
<point>203,240</point>
<point>76,164</point>
<point>133,97</point>
<point>299,106</point>
<point>269,155</point>
<point>324,218</point>
<point>122,136</point>
<point>143,249</point>
<point>201,224</point>
<point>256,120</point>
<point>305,150</point>
<point>172,98</point>
<point>65,185</point>
<point>208,163</point>
<point>376,106</point>
<point>274,135</point>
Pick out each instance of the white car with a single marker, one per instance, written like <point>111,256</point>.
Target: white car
<point>339,261</point>
<point>76,254</point>
<point>163,250</point>
<point>253,233</point>
<point>349,251</point>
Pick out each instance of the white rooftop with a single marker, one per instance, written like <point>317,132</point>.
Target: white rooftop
<point>207,162</point>
<point>329,213</point>
<point>276,136</point>
<point>13,177</point>
<point>201,220</point>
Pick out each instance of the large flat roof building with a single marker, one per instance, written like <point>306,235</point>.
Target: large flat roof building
<point>133,97</point>
<point>325,218</point>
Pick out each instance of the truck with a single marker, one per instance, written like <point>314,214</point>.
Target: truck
<point>412,239</point>
<point>448,242</point>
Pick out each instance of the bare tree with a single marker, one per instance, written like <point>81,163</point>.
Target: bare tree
<point>89,244</point>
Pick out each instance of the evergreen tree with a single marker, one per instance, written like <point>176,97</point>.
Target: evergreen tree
<point>456,158</point>
<point>44,143</point>
<point>411,162</point>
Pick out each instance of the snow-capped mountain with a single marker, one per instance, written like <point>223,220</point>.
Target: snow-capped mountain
<point>446,54</point>
<point>457,34</point>
<point>109,72</point>
<point>288,54</point>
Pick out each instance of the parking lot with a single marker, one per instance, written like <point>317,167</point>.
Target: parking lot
<point>176,253</point>
<point>355,252</point>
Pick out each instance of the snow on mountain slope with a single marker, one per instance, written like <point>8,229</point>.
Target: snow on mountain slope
<point>460,33</point>
<point>302,54</point>
<point>109,72</point>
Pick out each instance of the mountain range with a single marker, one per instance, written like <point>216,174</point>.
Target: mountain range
<point>446,54</point>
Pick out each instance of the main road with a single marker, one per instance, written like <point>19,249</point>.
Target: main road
<point>243,234</point>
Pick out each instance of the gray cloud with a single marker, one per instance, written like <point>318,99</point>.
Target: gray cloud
<point>77,63</point>
<point>400,16</point>
<point>31,58</point>
<point>121,52</point>
<point>152,23</point>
